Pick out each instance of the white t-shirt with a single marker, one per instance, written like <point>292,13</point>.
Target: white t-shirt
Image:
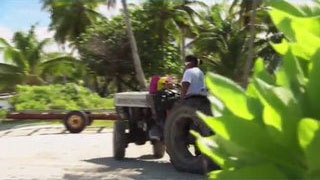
<point>195,77</point>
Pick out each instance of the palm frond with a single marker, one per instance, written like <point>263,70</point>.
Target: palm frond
<point>16,57</point>
<point>174,27</point>
<point>8,68</point>
<point>4,43</point>
<point>234,3</point>
<point>94,14</point>
<point>34,56</point>
<point>60,59</point>
<point>22,41</point>
<point>199,3</point>
<point>70,19</point>
<point>63,65</point>
<point>57,61</point>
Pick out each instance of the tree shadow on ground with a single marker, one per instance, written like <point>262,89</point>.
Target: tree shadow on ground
<point>129,168</point>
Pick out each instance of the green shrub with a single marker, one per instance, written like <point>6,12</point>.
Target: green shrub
<point>3,114</point>
<point>61,97</point>
<point>271,130</point>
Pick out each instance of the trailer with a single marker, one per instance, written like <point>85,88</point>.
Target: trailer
<point>75,121</point>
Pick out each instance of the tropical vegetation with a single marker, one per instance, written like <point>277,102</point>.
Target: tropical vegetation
<point>3,114</point>
<point>69,19</point>
<point>155,35</point>
<point>26,62</point>
<point>271,130</point>
<point>57,97</point>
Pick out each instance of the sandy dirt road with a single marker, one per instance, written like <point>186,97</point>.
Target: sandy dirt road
<point>50,153</point>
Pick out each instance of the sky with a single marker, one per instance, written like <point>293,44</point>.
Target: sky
<point>20,15</point>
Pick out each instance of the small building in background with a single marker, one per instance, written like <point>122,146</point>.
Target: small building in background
<point>4,101</point>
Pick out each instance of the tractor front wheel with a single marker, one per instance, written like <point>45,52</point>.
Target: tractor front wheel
<point>158,149</point>
<point>120,141</point>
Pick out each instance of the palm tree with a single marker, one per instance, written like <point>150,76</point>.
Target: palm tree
<point>247,14</point>
<point>27,63</point>
<point>173,17</point>
<point>134,49</point>
<point>246,7</point>
<point>70,19</point>
<point>223,42</point>
<point>251,51</point>
<point>220,42</point>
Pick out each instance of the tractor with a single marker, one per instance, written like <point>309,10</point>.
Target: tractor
<point>139,112</point>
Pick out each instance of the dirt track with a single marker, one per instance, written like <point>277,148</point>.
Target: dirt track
<point>48,152</point>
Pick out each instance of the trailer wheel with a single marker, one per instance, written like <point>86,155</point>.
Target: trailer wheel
<point>75,121</point>
<point>158,149</point>
<point>180,144</point>
<point>120,141</point>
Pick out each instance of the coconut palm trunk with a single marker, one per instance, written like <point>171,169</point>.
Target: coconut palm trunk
<point>136,59</point>
<point>251,53</point>
<point>183,43</point>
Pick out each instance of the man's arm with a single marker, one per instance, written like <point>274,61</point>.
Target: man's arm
<point>184,89</point>
<point>185,83</point>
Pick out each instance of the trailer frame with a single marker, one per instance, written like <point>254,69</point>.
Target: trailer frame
<point>75,121</point>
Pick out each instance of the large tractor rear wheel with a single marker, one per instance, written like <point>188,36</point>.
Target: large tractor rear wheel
<point>180,144</point>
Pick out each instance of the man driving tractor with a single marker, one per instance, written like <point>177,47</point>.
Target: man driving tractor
<point>192,84</point>
<point>193,79</point>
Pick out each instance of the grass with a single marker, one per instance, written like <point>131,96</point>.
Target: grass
<point>110,103</point>
<point>104,123</point>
